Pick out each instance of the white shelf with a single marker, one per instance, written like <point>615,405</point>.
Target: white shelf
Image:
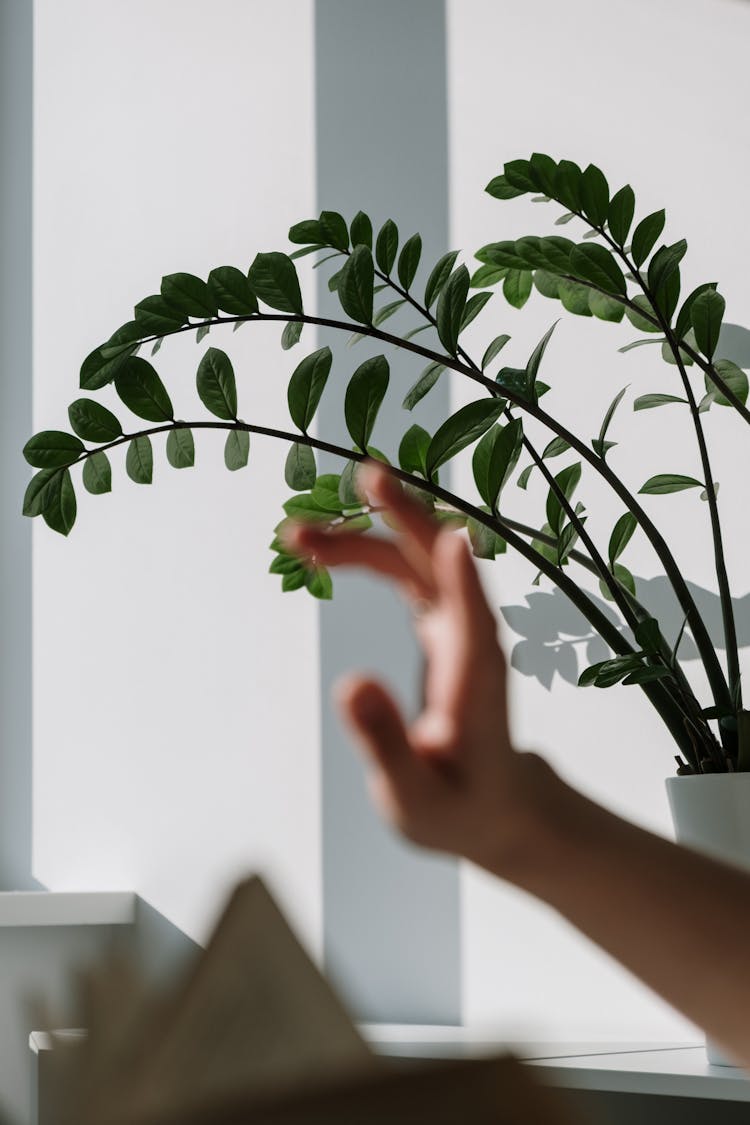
<point>668,1069</point>
<point>67,908</point>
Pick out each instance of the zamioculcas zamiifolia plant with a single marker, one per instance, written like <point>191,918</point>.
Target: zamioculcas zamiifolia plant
<point>617,269</point>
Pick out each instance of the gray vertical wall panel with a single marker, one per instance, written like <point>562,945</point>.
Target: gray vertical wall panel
<point>391,914</point>
<point>15,427</point>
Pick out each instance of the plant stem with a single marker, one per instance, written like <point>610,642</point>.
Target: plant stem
<point>720,691</point>
<point>725,595</point>
<point>660,698</point>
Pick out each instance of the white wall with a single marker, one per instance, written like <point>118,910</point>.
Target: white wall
<point>655,94</point>
<point>176,713</point>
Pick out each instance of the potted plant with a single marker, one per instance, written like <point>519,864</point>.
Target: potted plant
<point>618,268</point>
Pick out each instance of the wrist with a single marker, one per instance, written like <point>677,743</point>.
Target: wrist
<point>534,841</point>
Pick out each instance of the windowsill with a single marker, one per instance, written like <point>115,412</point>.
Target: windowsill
<point>66,908</point>
<point>669,1069</point>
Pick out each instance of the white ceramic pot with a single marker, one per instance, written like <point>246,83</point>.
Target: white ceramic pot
<point>711,813</point>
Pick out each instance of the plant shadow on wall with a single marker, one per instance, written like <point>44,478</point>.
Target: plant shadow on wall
<point>558,640</point>
<point>617,270</point>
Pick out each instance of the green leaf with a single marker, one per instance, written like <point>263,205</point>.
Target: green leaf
<point>155,317</point>
<point>494,349</point>
<point>567,481</point>
<point>551,253</point>
<point>236,449</point>
<point>319,583</point>
<point>386,247</point>
<point>609,415</point>
<point>38,492</point>
<point>523,477</point>
<point>139,460</point>
<point>437,279</point>
<point>473,307</point>
<point>555,448</point>
<point>517,287</point>
<point>548,284</point>
<point>645,236</point>
<point>532,367</point>
<point>97,370</point>
<point>667,294</point>
<point>143,392</point>
<point>574,297</point>
<point>202,332</point>
<point>299,470</point>
<point>640,344</point>
<point>668,355</point>
<point>361,230</point>
<point>93,422</point>
<point>499,188</point>
<point>621,535</point>
<point>669,482</point>
<point>348,493</point>
<point>52,449</point>
<point>387,311</point>
<point>123,340</point>
<point>620,214</point>
<point>274,281</point>
<point>97,474</point>
<point>485,543</point>
<point>605,308</point>
<point>648,402</point>
<point>424,383</point>
<point>295,580</point>
<point>450,308</point>
<point>564,219</point>
<point>610,672</point>
<point>513,379</point>
<point>648,635</point>
<point>480,462</point>
<point>306,386</point>
<point>594,195</point>
<point>59,511</point>
<point>733,376</point>
<point>408,260</point>
<point>291,334</point>
<point>596,264</point>
<point>462,429</point>
<point>355,286</point>
<point>364,394</point>
<point>638,321</point>
<point>519,175</point>
<point>487,275</point>
<point>506,255</point>
<point>334,230</point>
<point>706,316</point>
<point>412,452</point>
<point>180,449</point>
<point>664,262</point>
<point>543,170</point>
<point>189,294</point>
<point>308,231</point>
<point>216,384</point>
<point>285,564</point>
<point>568,184</point>
<point>647,675</point>
<point>506,449</point>
<point>684,320</point>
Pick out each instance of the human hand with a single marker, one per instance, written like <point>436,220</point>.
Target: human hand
<point>451,780</point>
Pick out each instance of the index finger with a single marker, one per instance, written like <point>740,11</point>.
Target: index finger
<point>418,529</point>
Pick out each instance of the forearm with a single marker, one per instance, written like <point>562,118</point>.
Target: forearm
<point>678,920</point>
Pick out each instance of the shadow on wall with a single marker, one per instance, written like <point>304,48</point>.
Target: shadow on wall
<point>557,639</point>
